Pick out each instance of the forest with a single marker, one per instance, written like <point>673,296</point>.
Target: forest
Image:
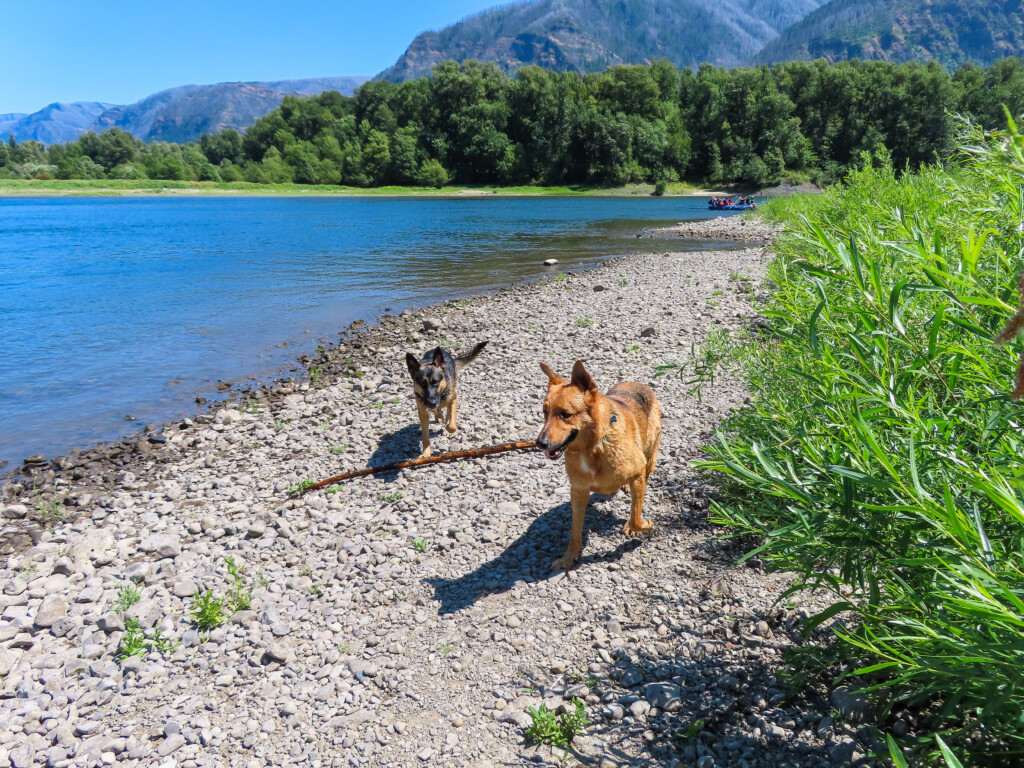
<point>472,124</point>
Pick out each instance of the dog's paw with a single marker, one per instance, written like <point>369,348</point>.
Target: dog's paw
<point>629,530</point>
<point>563,563</point>
<point>425,452</point>
<point>449,430</point>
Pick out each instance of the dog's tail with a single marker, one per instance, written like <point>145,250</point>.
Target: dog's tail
<point>461,361</point>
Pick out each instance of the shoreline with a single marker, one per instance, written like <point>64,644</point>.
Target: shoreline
<point>31,188</point>
<point>412,618</point>
<point>229,390</point>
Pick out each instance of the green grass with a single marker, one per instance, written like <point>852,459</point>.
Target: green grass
<point>50,512</point>
<point>779,210</point>
<point>116,187</point>
<point>585,322</point>
<point>339,448</point>
<point>879,459</point>
<point>420,545</point>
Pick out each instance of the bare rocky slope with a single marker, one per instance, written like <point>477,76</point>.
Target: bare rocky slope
<point>412,619</point>
<point>590,36</point>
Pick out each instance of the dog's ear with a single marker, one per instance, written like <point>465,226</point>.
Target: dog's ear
<point>438,357</point>
<point>412,363</point>
<point>581,378</point>
<point>553,378</point>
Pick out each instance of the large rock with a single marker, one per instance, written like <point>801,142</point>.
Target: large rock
<point>664,696</point>
<point>855,707</point>
<point>162,544</point>
<point>92,546</point>
<point>53,607</point>
<point>515,717</point>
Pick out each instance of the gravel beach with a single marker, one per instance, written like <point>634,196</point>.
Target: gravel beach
<point>411,619</point>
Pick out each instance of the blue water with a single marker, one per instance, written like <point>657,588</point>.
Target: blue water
<point>118,306</point>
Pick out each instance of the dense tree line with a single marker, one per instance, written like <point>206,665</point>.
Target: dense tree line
<point>473,124</point>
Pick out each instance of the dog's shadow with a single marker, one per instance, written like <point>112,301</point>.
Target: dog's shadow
<point>401,445</point>
<point>529,557</point>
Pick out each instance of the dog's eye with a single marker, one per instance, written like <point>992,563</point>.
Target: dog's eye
<point>566,415</point>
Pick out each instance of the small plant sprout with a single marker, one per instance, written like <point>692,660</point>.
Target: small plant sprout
<point>390,496</point>
<point>558,731</point>
<point>50,512</point>
<point>623,283</point>
<point>238,598</point>
<point>446,649</point>
<point>207,612</point>
<point>420,545</point>
<point>339,448</point>
<point>127,596</point>
<point>314,375</point>
<point>585,322</point>
<point>301,486</point>
<point>133,642</point>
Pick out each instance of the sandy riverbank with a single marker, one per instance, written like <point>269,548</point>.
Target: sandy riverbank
<point>410,620</point>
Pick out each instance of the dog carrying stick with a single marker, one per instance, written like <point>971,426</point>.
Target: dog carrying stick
<point>472,453</point>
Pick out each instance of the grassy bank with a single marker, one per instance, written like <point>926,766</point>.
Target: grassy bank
<point>127,187</point>
<point>880,458</point>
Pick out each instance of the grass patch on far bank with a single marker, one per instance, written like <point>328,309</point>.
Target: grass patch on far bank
<point>880,458</point>
<point>129,187</point>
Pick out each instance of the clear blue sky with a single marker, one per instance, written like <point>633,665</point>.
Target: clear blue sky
<point>118,51</point>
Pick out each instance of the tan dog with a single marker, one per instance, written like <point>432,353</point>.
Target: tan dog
<point>609,441</point>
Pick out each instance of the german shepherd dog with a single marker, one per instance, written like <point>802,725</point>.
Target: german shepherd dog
<point>435,384</point>
<point>609,441</point>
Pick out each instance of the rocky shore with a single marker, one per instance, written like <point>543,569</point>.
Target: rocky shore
<point>411,619</point>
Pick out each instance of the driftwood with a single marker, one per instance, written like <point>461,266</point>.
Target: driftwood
<point>472,453</point>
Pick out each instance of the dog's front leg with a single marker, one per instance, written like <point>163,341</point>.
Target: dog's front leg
<point>580,497</point>
<point>449,426</point>
<point>424,428</point>
<point>636,522</point>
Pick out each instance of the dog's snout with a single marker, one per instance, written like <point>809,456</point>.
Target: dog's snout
<point>542,442</point>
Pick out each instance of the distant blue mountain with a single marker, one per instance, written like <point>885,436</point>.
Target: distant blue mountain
<point>56,123</point>
<point>179,114</point>
<point>9,119</point>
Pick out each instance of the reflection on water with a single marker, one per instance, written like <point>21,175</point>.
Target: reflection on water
<point>125,306</point>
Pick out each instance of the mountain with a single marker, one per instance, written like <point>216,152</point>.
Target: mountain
<point>184,113</point>
<point>55,123</point>
<point>178,114</point>
<point>951,31</point>
<point>590,35</point>
<point>9,119</point>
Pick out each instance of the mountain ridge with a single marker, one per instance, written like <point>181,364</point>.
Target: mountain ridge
<point>590,35</point>
<point>178,114</point>
<point>953,32</point>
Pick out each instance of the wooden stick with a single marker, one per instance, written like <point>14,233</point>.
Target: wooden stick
<point>472,453</point>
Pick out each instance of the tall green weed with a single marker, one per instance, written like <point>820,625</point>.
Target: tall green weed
<point>880,458</point>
